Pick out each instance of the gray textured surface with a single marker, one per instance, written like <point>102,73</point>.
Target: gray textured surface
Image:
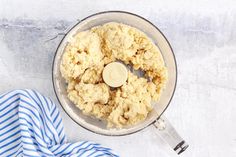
<point>202,34</point>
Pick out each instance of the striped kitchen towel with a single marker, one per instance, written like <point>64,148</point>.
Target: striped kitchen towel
<point>30,125</point>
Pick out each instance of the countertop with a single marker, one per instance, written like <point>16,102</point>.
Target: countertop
<point>202,34</point>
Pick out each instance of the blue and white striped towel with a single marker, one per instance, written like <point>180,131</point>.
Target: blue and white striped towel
<point>30,125</point>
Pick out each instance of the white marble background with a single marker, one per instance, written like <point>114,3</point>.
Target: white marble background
<point>202,34</point>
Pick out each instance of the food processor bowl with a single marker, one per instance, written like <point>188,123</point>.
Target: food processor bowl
<point>99,126</point>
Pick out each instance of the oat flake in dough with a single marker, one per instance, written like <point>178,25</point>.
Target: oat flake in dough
<point>84,59</point>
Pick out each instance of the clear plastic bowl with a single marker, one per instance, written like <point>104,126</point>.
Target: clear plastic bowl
<point>98,126</point>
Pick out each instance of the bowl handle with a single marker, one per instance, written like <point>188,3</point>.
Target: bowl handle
<point>170,135</point>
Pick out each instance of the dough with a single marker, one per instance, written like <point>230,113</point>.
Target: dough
<point>82,66</point>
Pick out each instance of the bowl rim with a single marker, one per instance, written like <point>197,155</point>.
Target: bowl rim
<point>106,12</point>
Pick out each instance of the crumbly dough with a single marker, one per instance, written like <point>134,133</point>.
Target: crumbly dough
<point>90,51</point>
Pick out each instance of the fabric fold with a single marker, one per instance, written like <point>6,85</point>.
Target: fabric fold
<point>30,125</point>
